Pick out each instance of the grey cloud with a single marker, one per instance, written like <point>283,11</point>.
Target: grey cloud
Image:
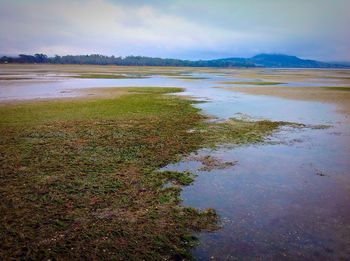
<point>185,29</point>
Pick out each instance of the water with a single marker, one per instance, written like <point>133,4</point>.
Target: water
<point>286,200</point>
<point>41,87</point>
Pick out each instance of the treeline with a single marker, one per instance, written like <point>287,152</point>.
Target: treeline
<point>98,59</point>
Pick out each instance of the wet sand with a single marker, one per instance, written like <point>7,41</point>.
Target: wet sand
<point>293,75</point>
<point>341,98</point>
<point>81,94</point>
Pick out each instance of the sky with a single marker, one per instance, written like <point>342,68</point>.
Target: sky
<point>185,29</point>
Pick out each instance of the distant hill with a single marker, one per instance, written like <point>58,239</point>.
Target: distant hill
<point>282,60</point>
<point>342,63</point>
<point>261,60</point>
<point>279,61</point>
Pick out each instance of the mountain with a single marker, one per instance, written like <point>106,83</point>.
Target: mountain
<point>261,60</point>
<point>282,60</point>
<point>347,63</point>
<point>276,61</point>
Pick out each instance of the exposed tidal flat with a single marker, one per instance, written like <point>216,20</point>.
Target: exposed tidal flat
<point>80,177</point>
<point>140,173</point>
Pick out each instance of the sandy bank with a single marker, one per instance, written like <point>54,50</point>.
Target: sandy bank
<point>328,95</point>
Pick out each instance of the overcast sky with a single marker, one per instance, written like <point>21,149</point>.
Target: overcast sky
<point>196,29</point>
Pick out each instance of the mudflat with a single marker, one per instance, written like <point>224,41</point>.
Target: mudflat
<point>336,95</point>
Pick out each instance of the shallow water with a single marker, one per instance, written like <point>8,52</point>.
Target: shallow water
<point>287,199</point>
<point>282,201</point>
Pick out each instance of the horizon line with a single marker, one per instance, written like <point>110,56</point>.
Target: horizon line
<point>164,57</point>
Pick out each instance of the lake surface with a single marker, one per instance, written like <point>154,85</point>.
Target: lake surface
<point>286,199</point>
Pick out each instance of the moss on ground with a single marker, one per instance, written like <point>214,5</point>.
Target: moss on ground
<point>80,179</point>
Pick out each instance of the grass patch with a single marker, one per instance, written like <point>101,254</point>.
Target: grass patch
<point>181,178</point>
<point>109,76</point>
<point>252,83</point>
<point>336,88</point>
<point>80,179</point>
<point>240,132</point>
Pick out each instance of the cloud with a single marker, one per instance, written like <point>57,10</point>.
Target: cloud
<point>185,29</point>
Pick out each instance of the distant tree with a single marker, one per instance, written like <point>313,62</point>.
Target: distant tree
<point>41,58</point>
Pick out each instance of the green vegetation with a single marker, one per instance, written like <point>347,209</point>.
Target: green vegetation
<point>124,61</point>
<point>261,60</point>
<point>239,132</point>
<point>80,179</point>
<point>253,83</point>
<point>109,76</point>
<point>337,88</point>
